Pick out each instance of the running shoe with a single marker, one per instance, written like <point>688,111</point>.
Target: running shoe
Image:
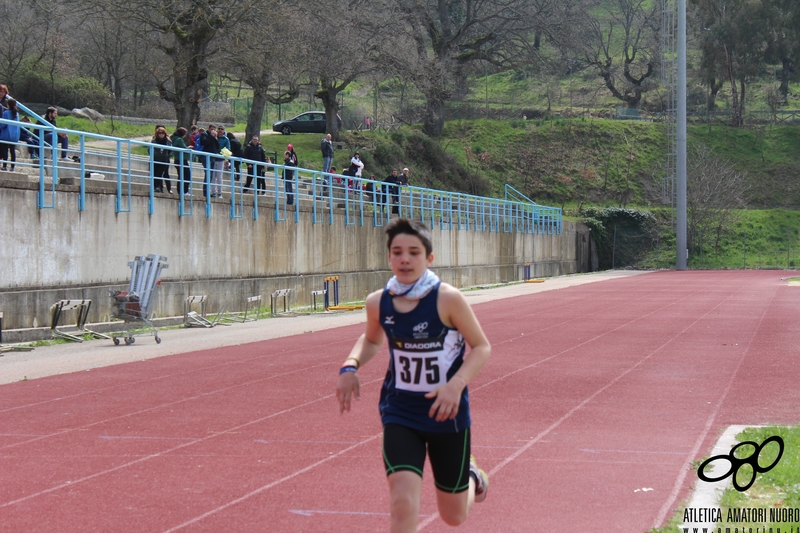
<point>481,480</point>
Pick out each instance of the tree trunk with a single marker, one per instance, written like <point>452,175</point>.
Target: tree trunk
<point>253,127</point>
<point>736,117</point>
<point>713,90</point>
<point>189,76</point>
<point>741,101</point>
<point>433,124</point>
<point>328,97</point>
<point>786,72</point>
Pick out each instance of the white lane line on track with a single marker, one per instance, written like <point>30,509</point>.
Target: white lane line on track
<point>161,406</point>
<point>184,445</point>
<point>686,467</point>
<point>312,512</point>
<point>578,407</point>
<point>270,485</point>
<point>117,386</point>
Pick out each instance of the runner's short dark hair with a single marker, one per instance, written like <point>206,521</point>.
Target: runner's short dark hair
<point>400,226</point>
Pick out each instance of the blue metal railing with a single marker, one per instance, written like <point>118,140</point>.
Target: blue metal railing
<point>130,165</point>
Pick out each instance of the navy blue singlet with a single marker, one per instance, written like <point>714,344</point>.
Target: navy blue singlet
<point>424,354</point>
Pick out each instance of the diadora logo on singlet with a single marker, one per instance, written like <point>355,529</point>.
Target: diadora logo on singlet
<point>389,320</point>
<point>419,346</point>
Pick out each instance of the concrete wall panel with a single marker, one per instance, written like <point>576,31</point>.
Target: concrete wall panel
<point>60,253</point>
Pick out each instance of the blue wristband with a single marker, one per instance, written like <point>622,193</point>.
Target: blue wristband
<point>349,368</point>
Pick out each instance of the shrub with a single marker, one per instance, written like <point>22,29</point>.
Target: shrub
<point>623,236</point>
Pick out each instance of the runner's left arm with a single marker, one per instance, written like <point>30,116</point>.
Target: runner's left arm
<point>456,312</point>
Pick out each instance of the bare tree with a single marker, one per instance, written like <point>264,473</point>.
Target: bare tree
<point>345,49</point>
<point>621,42</point>
<point>437,38</point>
<point>116,52</point>
<point>186,32</point>
<point>22,36</point>
<point>715,192</point>
<point>262,57</point>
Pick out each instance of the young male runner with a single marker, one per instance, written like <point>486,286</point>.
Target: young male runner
<point>424,401</point>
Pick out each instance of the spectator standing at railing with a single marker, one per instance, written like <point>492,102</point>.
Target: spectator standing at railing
<point>213,161</point>
<point>326,181</point>
<point>161,160</point>
<point>369,187</point>
<point>225,150</point>
<point>403,178</point>
<point>184,171</point>
<point>356,166</point>
<point>255,152</point>
<point>62,140</point>
<point>236,152</point>
<point>289,160</point>
<point>26,137</point>
<point>4,97</point>
<point>9,134</point>
<point>327,153</point>
<point>391,191</point>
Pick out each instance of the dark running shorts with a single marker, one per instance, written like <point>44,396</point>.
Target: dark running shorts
<point>404,449</point>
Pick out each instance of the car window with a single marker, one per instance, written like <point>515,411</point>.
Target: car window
<point>304,117</point>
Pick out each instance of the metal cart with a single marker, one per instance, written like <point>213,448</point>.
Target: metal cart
<point>135,306</point>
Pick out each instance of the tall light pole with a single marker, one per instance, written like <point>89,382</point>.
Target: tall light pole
<point>680,204</point>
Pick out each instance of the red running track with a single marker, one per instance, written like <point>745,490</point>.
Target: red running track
<point>593,393</point>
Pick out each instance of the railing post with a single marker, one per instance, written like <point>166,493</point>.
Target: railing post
<point>82,195</point>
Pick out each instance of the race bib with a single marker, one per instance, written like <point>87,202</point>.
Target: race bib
<point>419,364</point>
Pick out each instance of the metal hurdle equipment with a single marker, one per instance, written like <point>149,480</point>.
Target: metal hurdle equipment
<point>242,317</point>
<point>136,305</point>
<point>273,301</point>
<point>314,294</point>
<point>82,307</point>
<point>10,347</point>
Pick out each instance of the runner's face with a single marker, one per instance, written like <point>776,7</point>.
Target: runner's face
<point>407,258</point>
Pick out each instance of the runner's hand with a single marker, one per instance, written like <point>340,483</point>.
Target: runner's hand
<point>447,399</point>
<point>347,387</point>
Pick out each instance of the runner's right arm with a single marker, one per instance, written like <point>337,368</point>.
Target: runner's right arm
<point>367,345</point>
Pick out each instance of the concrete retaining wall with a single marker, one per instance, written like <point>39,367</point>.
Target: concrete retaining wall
<point>62,253</point>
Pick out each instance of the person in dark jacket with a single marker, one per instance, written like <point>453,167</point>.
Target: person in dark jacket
<point>161,158</point>
<point>327,153</point>
<point>182,159</point>
<point>236,152</point>
<point>290,160</point>
<point>212,161</point>
<point>391,192</point>
<point>50,117</point>
<point>254,154</point>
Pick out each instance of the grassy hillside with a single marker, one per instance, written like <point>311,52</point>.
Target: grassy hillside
<point>570,161</point>
<point>566,162</point>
